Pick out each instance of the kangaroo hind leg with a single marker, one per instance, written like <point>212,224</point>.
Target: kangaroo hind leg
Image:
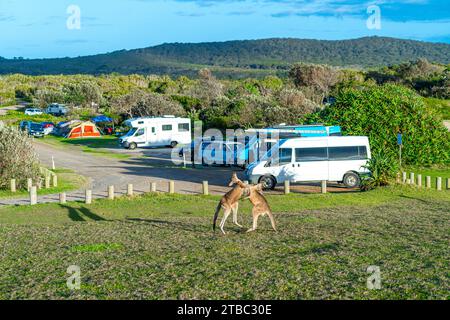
<point>235,214</point>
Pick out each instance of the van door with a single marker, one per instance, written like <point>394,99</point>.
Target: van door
<point>282,167</point>
<point>140,137</point>
<point>152,136</point>
<point>311,164</point>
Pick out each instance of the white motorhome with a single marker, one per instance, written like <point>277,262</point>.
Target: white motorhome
<point>156,132</point>
<point>339,159</point>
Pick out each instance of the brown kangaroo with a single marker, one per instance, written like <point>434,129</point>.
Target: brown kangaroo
<point>260,206</point>
<point>230,202</point>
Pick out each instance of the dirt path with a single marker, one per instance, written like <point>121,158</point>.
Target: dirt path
<point>4,110</point>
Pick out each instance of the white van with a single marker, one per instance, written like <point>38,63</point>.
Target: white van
<point>339,159</point>
<point>156,132</point>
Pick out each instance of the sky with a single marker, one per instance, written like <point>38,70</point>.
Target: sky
<point>70,28</point>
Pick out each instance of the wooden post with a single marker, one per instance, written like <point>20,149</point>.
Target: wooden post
<point>53,163</point>
<point>33,195</point>
<point>13,185</point>
<point>205,188</point>
<point>153,187</point>
<point>411,178</point>
<point>55,180</point>
<point>428,182</point>
<point>399,178</point>
<point>111,192</point>
<point>88,199</point>
<point>324,186</point>
<point>29,184</point>
<point>62,198</point>
<point>419,180</point>
<point>287,187</point>
<point>448,183</point>
<point>47,182</point>
<point>171,187</point>
<point>130,190</point>
<point>408,181</point>
<point>404,177</point>
<point>439,184</point>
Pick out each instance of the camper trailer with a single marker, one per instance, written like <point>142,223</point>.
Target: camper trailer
<point>156,132</point>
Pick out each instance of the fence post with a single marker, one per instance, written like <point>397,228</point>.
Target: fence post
<point>13,185</point>
<point>130,190</point>
<point>408,181</point>
<point>172,187</point>
<point>411,178</point>
<point>439,184</point>
<point>448,183</point>
<point>62,198</point>
<point>153,187</point>
<point>55,180</point>
<point>47,182</point>
<point>404,177</point>
<point>111,192</point>
<point>419,180</point>
<point>88,199</point>
<point>287,187</point>
<point>324,186</point>
<point>205,188</point>
<point>29,184</point>
<point>33,195</point>
<point>428,182</point>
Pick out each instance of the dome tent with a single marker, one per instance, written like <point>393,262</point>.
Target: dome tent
<point>79,129</point>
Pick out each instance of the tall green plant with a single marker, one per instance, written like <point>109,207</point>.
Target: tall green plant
<point>383,171</point>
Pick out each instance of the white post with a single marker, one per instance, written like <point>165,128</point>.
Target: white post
<point>153,187</point>
<point>287,187</point>
<point>88,197</point>
<point>53,163</point>
<point>55,180</point>
<point>439,184</point>
<point>172,187</point>
<point>419,180</point>
<point>111,192</point>
<point>205,188</point>
<point>13,185</point>
<point>33,195</point>
<point>428,182</point>
<point>62,198</point>
<point>130,190</point>
<point>324,186</point>
<point>411,178</point>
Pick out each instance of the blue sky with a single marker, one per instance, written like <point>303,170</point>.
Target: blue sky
<point>38,28</point>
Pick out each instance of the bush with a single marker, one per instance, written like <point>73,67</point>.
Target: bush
<point>17,158</point>
<point>380,112</point>
<point>383,170</point>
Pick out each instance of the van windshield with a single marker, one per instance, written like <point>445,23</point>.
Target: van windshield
<point>131,132</point>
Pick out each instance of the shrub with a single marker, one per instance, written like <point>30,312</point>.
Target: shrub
<point>17,158</point>
<point>383,170</point>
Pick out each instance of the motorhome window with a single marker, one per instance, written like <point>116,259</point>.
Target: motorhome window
<point>346,153</point>
<point>311,154</point>
<point>284,156</point>
<point>167,127</point>
<point>183,127</point>
<point>140,132</point>
<point>153,129</point>
<point>141,122</point>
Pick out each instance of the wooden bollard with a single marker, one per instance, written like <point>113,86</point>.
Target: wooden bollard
<point>428,182</point>
<point>153,187</point>
<point>130,190</point>
<point>88,199</point>
<point>62,198</point>
<point>439,184</point>
<point>324,186</point>
<point>412,178</point>
<point>287,187</point>
<point>13,185</point>
<point>111,192</point>
<point>33,195</point>
<point>29,184</point>
<point>419,181</point>
<point>171,187</point>
<point>55,180</point>
<point>399,178</point>
<point>448,183</point>
<point>205,188</point>
<point>404,177</point>
<point>47,182</point>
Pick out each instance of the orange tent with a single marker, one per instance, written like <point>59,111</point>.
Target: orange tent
<point>83,130</point>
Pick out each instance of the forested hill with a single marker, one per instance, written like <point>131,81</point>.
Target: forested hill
<point>237,58</point>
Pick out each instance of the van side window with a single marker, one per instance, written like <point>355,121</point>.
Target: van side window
<point>311,154</point>
<point>183,127</point>
<point>347,153</point>
<point>167,127</point>
<point>140,132</point>
<point>284,156</point>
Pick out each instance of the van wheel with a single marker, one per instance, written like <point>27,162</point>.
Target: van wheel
<point>173,144</point>
<point>132,146</point>
<point>352,180</point>
<point>268,182</point>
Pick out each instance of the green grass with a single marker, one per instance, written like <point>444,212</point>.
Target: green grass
<point>441,106</point>
<point>162,247</point>
<point>14,117</point>
<point>67,181</point>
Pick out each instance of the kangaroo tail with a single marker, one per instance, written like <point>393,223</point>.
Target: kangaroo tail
<point>216,215</point>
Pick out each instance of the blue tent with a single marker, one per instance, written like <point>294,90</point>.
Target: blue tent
<point>101,119</point>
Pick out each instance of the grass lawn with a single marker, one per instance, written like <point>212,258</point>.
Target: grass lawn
<point>440,105</point>
<point>162,246</point>
<point>67,181</point>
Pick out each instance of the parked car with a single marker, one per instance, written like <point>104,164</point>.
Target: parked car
<point>48,127</point>
<point>24,125</point>
<point>57,109</point>
<point>33,111</point>
<point>36,130</point>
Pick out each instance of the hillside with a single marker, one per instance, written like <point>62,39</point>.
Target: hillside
<point>237,58</point>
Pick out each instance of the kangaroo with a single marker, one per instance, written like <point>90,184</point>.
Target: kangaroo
<point>230,202</point>
<point>260,206</point>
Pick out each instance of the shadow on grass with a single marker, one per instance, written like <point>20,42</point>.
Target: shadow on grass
<point>82,214</point>
<point>171,224</point>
